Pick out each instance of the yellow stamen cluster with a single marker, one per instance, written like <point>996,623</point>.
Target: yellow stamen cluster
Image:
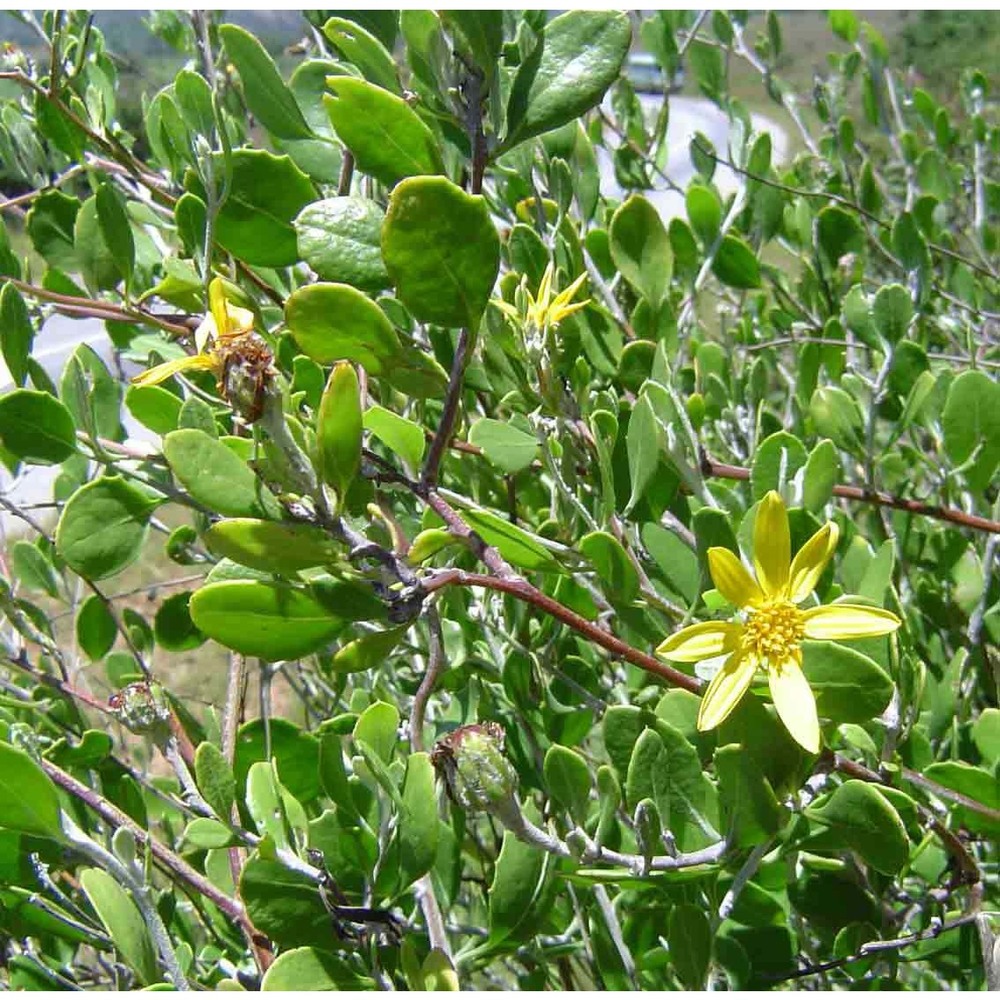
<point>772,633</point>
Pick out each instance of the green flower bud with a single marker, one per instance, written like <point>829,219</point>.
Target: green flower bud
<point>142,708</point>
<point>476,773</point>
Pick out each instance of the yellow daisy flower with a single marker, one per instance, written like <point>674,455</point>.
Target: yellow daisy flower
<point>544,310</point>
<point>223,324</point>
<point>771,626</point>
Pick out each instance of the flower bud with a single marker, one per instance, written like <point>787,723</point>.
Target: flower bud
<point>476,772</point>
<point>142,708</point>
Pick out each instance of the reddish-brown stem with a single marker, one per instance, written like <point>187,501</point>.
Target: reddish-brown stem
<point>723,471</point>
<point>169,861</point>
<point>524,591</point>
<point>73,305</point>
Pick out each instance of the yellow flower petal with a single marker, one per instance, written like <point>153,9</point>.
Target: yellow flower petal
<point>810,561</point>
<point>772,548</point>
<point>794,701</point>
<point>732,579</point>
<point>699,642</point>
<point>545,289</point>
<point>217,306</point>
<point>848,621</point>
<point>160,373</point>
<point>558,313</point>
<point>566,295</point>
<point>726,689</point>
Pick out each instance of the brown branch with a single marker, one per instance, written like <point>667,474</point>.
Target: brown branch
<point>176,866</point>
<point>74,305</point>
<point>721,470</point>
<point>524,591</point>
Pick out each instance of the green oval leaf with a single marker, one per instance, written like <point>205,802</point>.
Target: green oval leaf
<point>577,58</point>
<point>506,446</point>
<point>567,778</point>
<point>340,239</point>
<point>216,477</point>
<point>17,335</point>
<point>339,430</point>
<point>36,428</point>
<point>269,546</point>
<point>312,970</point>
<point>271,621</point>
<point>103,526</point>
<point>640,249</point>
<point>869,824</point>
<point>367,652</point>
<point>123,922</point>
<point>95,628</point>
<point>28,799</point>
<point>735,264</point>
<point>618,576</point>
<point>333,322</point>
<point>387,137</point>
<point>441,250</point>
<point>267,96</point>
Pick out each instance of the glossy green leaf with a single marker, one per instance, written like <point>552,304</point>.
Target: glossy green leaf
<point>312,970</point>
<point>103,527</point>
<point>95,628</point>
<point>689,938</point>
<point>28,799</point>
<point>387,137</point>
<point>518,879</point>
<point>369,651</point>
<point>775,462</point>
<point>822,472</point>
<point>269,546</point>
<point>98,262</point>
<point>869,824</point>
<point>418,820</point>
<point>505,445</point>
<point>704,211</point>
<point>285,905</point>
<point>271,621</point>
<point>665,768</point>
<point>340,239</point>
<point>849,686</point>
<point>32,569</point>
<point>17,335</point>
<point>402,436</point>
<point>116,229</point>
<point>971,419</point>
<point>735,264</point>
<point>641,249</point>
<point>266,94</point>
<point>364,50</point>
<point>517,546</point>
<point>36,428</point>
<point>750,812</point>
<point>266,192</point>
<point>123,922</point>
<point>441,250</point>
<point>333,322</point>
<point>892,310</point>
<point>215,779</point>
<point>339,430</point>
<point>577,58</point>
<point>216,477</point>
<point>173,627</point>
<point>644,440</point>
<point>615,570</point>
<point>378,726</point>
<point>567,779</point>
<point>154,407</point>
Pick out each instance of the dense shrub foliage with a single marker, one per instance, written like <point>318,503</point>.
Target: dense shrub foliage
<point>464,567</point>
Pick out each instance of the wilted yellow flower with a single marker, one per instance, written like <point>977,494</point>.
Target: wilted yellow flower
<point>223,324</point>
<point>771,627</point>
<point>544,310</point>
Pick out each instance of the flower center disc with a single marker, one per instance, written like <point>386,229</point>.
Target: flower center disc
<point>772,633</point>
